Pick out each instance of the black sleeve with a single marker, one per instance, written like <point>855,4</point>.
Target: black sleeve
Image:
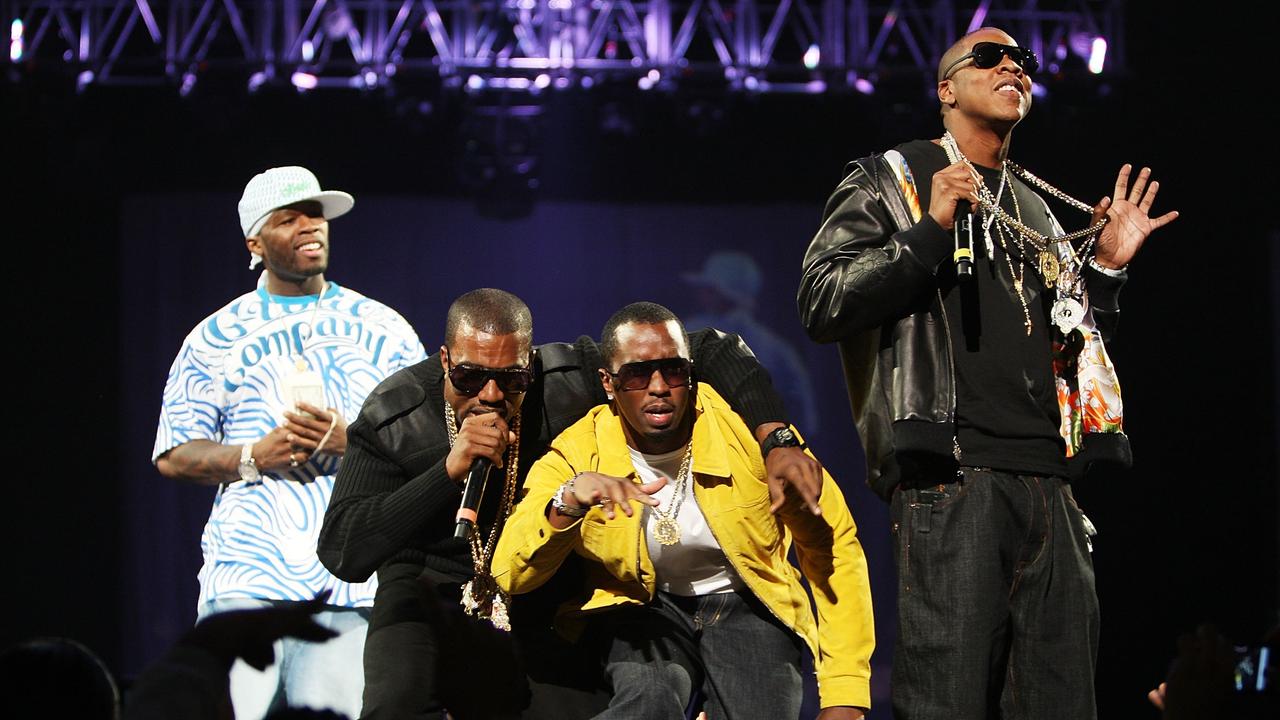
<point>860,271</point>
<point>1104,298</point>
<point>377,510</point>
<point>725,361</point>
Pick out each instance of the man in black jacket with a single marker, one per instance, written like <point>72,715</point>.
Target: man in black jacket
<point>980,384</point>
<point>489,394</point>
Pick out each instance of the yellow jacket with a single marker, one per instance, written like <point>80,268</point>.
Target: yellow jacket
<point>731,491</point>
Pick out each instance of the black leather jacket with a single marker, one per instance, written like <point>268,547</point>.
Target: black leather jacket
<point>869,282</point>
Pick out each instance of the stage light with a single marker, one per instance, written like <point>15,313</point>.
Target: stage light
<point>257,80</point>
<point>1098,55</point>
<point>370,79</point>
<point>304,81</point>
<point>15,40</point>
<point>308,51</point>
<point>542,82</point>
<point>1039,90</point>
<point>812,56</point>
<point>475,82</point>
<point>188,84</point>
<point>83,80</point>
<point>864,86</point>
<point>815,87</point>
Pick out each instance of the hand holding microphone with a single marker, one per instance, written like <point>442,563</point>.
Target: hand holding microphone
<point>481,444</point>
<point>472,493</point>
<point>953,195</point>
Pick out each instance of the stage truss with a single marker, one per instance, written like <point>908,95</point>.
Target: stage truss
<point>535,45</point>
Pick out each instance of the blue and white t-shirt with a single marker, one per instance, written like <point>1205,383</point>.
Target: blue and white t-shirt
<point>225,386</point>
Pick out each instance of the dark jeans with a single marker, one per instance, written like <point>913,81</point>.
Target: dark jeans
<point>728,646</point>
<point>423,654</point>
<point>997,611</point>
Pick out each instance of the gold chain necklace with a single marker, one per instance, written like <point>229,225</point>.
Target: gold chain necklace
<point>481,596</point>
<point>1068,310</point>
<point>666,529</point>
<point>1037,239</point>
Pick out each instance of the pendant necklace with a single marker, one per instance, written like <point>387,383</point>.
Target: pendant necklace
<point>666,528</point>
<point>481,596</point>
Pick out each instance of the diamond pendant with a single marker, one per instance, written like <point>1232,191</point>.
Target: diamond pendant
<point>498,616</point>
<point>1049,268</point>
<point>482,598</point>
<point>1067,314</point>
<point>666,531</point>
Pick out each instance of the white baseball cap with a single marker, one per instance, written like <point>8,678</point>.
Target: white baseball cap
<point>273,189</point>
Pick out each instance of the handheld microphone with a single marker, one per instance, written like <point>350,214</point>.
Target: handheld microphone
<point>472,492</point>
<point>963,255</point>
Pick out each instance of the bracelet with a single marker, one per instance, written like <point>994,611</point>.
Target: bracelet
<point>1116,272</point>
<point>557,501</point>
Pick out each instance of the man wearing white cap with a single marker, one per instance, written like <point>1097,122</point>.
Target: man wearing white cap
<point>254,404</point>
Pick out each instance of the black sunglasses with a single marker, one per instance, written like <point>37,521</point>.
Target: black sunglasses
<point>675,371</point>
<point>471,379</point>
<point>988,55</point>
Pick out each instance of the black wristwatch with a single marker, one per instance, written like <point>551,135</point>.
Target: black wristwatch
<point>782,437</point>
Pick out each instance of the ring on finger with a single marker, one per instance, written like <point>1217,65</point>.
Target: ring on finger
<point>293,461</point>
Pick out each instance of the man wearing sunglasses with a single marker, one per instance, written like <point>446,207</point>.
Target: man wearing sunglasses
<point>981,387</point>
<point>396,497</point>
<point>688,589</point>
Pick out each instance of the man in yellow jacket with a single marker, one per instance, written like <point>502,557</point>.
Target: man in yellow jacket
<point>688,587</point>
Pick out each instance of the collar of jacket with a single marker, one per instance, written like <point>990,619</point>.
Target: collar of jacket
<point>710,454</point>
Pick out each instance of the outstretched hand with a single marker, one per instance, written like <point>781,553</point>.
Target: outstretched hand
<point>1130,220</point>
<point>792,473</point>
<point>249,634</point>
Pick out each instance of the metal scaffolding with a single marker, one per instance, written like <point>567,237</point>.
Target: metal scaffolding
<point>739,45</point>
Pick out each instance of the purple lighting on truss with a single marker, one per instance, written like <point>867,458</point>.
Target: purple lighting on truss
<point>979,16</point>
<point>1098,55</point>
<point>304,81</point>
<point>812,57</point>
<point>257,80</point>
<point>15,40</point>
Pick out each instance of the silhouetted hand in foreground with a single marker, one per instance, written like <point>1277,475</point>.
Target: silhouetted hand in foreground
<point>249,634</point>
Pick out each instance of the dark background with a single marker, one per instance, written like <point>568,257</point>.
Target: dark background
<point>121,235</point>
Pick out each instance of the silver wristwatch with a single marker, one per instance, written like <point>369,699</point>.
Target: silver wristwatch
<point>248,468</point>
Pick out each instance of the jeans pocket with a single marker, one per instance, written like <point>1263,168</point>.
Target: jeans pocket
<point>1087,528</point>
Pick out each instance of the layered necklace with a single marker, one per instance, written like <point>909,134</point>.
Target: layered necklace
<point>666,526</point>
<point>481,596</point>
<point>1059,263</point>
